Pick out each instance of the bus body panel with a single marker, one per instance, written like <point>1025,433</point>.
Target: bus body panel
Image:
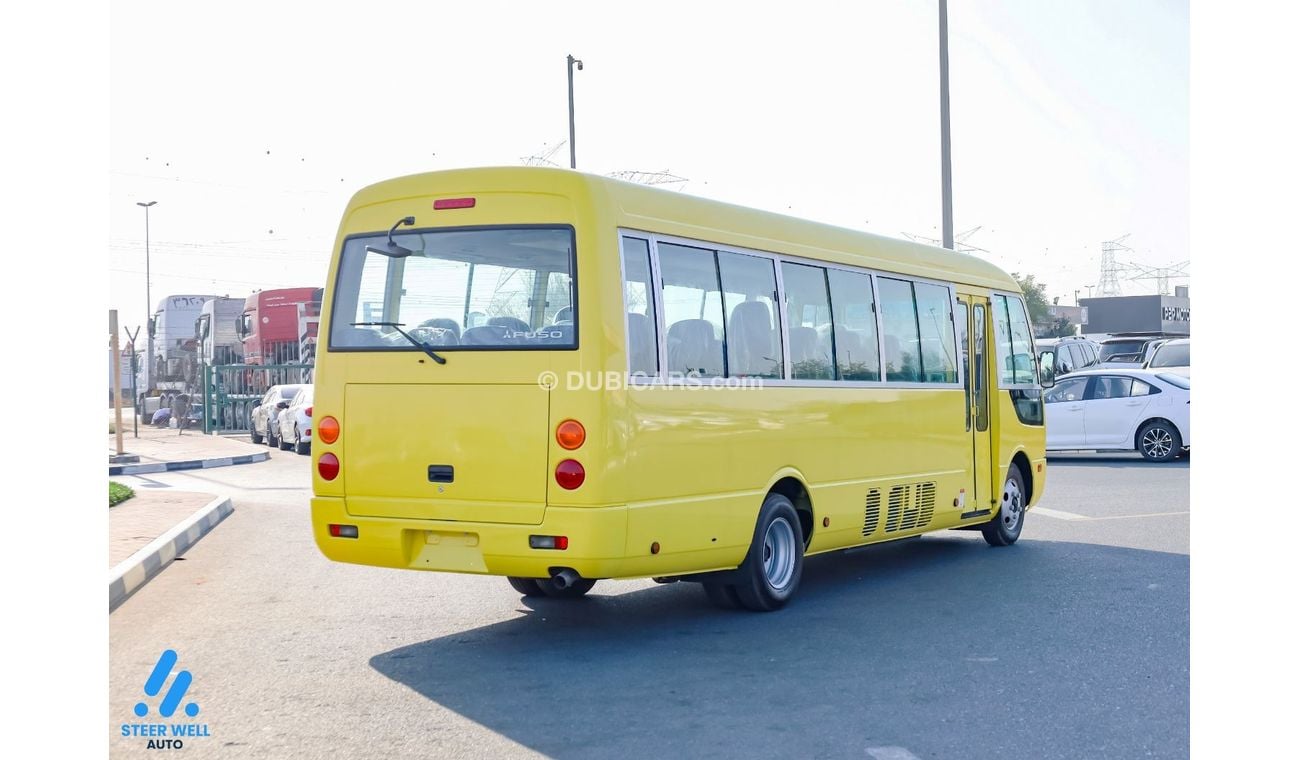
<point>674,477</point>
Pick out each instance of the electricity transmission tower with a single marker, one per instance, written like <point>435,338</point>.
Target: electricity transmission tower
<point>1110,268</point>
<point>650,178</point>
<point>959,240</point>
<point>544,158</point>
<point>1161,275</point>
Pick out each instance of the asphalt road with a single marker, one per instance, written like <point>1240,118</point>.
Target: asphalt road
<point>1073,643</point>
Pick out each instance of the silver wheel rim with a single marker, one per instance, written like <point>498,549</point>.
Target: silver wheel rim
<point>1157,442</point>
<point>1012,506</point>
<point>778,553</point>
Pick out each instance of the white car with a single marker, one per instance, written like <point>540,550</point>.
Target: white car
<point>262,420</point>
<point>1121,410</point>
<point>295,422</point>
<point>1173,356</point>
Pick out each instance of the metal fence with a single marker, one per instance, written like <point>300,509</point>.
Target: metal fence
<point>231,391</point>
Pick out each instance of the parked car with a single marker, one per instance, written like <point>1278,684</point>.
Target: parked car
<point>1061,356</point>
<point>262,422</point>
<point>295,422</point>
<point>1173,356</point>
<point>1128,351</point>
<point>1121,410</point>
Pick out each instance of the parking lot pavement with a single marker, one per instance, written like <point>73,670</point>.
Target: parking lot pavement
<point>1115,499</point>
<point>1072,643</point>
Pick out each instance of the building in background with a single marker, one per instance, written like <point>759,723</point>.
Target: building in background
<point>1164,315</point>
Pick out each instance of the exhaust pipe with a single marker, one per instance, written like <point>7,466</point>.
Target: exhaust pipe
<point>565,577</point>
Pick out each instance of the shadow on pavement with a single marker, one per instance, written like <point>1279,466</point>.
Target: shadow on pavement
<point>943,646</point>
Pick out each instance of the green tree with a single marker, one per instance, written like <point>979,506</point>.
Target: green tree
<point>1035,299</point>
<point>1062,328</point>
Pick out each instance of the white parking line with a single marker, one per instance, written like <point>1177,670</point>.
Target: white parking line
<point>891,753</point>
<point>1058,514</point>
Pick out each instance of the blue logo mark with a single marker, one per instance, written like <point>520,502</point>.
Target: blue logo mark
<point>174,695</point>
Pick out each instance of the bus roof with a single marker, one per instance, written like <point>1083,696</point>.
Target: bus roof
<point>642,207</point>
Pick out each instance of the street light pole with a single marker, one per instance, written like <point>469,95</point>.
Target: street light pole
<point>573,151</point>
<point>944,137</point>
<point>148,297</point>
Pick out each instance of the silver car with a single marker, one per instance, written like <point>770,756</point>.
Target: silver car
<point>262,421</point>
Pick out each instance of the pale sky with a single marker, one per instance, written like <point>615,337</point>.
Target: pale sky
<point>251,124</point>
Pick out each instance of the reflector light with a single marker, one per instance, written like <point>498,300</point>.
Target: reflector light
<point>569,474</point>
<point>328,466</point>
<point>446,203</point>
<point>549,542</point>
<point>328,430</point>
<point>343,531</point>
<point>570,434</point>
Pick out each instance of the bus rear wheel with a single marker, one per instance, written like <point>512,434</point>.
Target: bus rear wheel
<point>772,570</point>
<point>525,586</point>
<point>722,595</point>
<point>1010,519</point>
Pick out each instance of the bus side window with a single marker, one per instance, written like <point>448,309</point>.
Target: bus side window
<point>853,306</point>
<point>638,301</point>
<point>692,311</point>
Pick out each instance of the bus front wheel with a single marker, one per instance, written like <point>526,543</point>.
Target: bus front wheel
<point>1006,525</point>
<point>772,570</point>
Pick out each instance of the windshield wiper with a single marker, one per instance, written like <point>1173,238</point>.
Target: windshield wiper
<point>398,327</point>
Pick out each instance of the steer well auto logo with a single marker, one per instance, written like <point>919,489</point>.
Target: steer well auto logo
<point>166,735</point>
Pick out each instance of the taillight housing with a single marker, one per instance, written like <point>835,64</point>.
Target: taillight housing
<point>328,466</point>
<point>327,430</point>
<point>570,434</point>
<point>569,474</point>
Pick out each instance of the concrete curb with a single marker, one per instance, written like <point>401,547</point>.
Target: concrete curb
<point>189,464</point>
<point>136,570</point>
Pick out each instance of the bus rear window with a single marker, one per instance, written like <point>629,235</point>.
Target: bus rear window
<point>496,288</point>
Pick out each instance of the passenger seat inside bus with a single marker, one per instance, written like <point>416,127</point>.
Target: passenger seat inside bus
<point>693,348</point>
<point>750,340</point>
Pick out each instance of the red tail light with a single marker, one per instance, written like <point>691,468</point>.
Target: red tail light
<point>307,411</point>
<point>569,474</point>
<point>446,203</point>
<point>328,466</point>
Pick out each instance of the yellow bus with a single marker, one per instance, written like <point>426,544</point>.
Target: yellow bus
<point>561,378</point>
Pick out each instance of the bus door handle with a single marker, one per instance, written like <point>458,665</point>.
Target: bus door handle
<point>441,473</point>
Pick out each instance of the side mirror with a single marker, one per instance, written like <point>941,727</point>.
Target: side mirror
<point>282,405</point>
<point>1048,379</point>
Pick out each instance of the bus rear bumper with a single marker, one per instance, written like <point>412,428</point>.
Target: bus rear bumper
<point>596,537</point>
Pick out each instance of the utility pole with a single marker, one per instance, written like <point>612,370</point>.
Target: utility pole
<point>148,310</point>
<point>573,150</point>
<point>944,136</point>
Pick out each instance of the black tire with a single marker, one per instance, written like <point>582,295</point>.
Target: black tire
<point>299,446</point>
<point>1006,525</point>
<point>774,565</point>
<point>270,435</point>
<point>578,589</point>
<point>252,432</point>
<point>285,445</point>
<point>722,595</point>
<point>1159,441</point>
<point>525,586</point>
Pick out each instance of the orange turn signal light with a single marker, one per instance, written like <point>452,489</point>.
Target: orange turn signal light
<point>570,435</point>
<point>328,430</point>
